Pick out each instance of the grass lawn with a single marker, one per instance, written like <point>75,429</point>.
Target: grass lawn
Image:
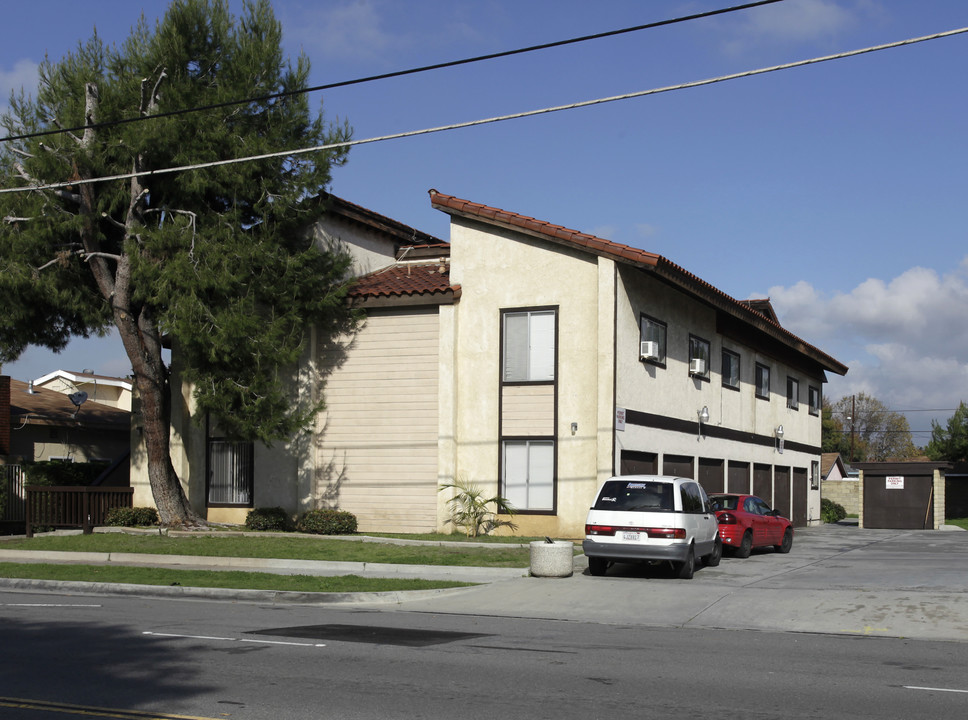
<point>960,522</point>
<point>217,579</point>
<point>296,547</point>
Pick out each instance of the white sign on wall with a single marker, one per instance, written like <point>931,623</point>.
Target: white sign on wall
<point>620,418</point>
<point>895,482</point>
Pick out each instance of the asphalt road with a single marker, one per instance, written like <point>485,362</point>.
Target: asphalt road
<point>74,657</point>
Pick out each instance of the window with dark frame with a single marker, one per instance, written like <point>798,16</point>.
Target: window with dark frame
<point>814,398</point>
<point>230,472</point>
<point>730,369</point>
<point>529,346</point>
<point>762,381</point>
<point>652,330</point>
<point>528,474</point>
<point>793,393</point>
<point>698,357</point>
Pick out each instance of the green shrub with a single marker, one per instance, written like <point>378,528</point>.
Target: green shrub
<point>831,512</point>
<point>327,522</point>
<point>131,517</point>
<point>273,518</point>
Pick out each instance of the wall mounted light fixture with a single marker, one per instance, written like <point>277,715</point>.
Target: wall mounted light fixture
<point>779,438</point>
<point>703,417</point>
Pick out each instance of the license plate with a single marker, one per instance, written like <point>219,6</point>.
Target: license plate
<point>630,536</point>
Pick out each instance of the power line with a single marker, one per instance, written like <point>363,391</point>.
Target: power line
<point>394,74</point>
<point>474,123</point>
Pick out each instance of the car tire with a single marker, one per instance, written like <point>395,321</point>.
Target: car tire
<point>597,566</point>
<point>713,558</point>
<point>746,546</point>
<point>687,568</point>
<point>787,543</point>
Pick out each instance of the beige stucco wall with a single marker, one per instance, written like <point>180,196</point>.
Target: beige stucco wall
<point>671,392</point>
<point>498,271</point>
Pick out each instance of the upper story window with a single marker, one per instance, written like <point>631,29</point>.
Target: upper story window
<point>730,369</point>
<point>814,397</point>
<point>793,393</point>
<point>652,340</point>
<point>529,346</point>
<point>698,357</point>
<point>762,381</point>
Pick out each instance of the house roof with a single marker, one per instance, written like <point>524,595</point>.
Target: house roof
<point>749,314</point>
<point>39,406</point>
<point>828,461</point>
<point>401,234</point>
<point>84,377</point>
<point>421,274</point>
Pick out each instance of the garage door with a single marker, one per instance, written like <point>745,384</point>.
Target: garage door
<point>899,502</point>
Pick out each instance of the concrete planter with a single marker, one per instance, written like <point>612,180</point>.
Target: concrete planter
<point>554,559</point>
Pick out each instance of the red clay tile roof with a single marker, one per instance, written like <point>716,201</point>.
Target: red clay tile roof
<point>423,277</point>
<point>650,262</point>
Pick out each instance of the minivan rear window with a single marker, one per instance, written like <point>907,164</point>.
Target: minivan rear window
<point>635,496</point>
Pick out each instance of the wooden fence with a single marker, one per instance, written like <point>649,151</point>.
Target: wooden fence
<point>83,507</point>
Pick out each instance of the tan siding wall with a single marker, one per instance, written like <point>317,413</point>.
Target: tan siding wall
<point>378,435</point>
<point>528,410</point>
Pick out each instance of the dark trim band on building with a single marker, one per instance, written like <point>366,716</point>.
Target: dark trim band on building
<point>663,422</point>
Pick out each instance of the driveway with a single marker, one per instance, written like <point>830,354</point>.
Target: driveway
<point>837,579</point>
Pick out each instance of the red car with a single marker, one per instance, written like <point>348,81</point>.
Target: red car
<point>746,522</point>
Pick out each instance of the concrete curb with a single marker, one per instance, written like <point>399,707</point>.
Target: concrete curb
<point>272,597</point>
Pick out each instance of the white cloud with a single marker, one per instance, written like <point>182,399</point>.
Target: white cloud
<point>904,339</point>
<point>347,30</point>
<point>797,21</point>
<point>22,76</point>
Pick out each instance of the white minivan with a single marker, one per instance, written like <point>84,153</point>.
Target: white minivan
<point>652,518</point>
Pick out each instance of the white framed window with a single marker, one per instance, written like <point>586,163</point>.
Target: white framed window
<point>730,369</point>
<point>529,474</point>
<point>529,346</point>
<point>793,393</point>
<point>652,330</point>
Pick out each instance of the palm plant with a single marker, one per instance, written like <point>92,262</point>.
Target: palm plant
<point>470,509</point>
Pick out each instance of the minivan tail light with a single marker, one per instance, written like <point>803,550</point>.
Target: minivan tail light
<point>667,533</point>
<point>599,530</point>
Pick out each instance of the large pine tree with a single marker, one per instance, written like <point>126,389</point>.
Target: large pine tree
<point>217,261</point>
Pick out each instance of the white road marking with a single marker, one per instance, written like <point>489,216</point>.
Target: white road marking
<point>933,689</point>
<point>49,605</point>
<point>232,639</point>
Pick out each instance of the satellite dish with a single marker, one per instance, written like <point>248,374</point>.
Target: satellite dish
<point>78,398</point>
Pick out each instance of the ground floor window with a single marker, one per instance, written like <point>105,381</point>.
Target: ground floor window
<point>529,474</point>
<point>229,472</point>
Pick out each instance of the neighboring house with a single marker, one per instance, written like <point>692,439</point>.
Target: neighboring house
<point>535,361</point>
<point>102,389</point>
<point>46,425</point>
<point>837,485</point>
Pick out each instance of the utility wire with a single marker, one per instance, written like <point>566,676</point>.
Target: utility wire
<point>397,73</point>
<point>474,123</point>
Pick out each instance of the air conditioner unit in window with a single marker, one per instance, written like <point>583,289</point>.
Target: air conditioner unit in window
<point>648,350</point>
<point>697,366</point>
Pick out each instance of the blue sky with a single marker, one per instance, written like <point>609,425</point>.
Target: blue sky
<point>838,190</point>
